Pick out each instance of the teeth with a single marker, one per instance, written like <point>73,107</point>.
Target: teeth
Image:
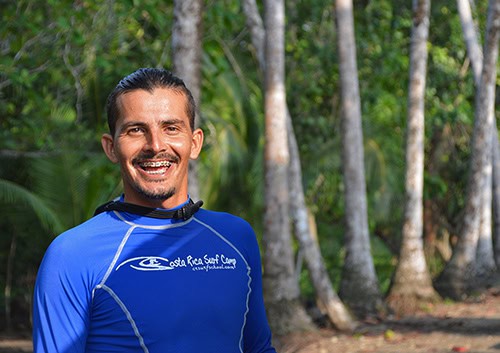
<point>156,164</point>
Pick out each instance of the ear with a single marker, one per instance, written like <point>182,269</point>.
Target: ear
<point>196,143</point>
<point>108,145</point>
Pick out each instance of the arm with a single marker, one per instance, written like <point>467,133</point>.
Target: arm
<point>61,301</point>
<point>257,334</point>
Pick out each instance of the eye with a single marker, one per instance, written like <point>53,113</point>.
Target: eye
<point>135,130</point>
<point>171,129</point>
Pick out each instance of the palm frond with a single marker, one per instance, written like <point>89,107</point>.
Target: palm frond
<point>74,184</point>
<point>11,193</point>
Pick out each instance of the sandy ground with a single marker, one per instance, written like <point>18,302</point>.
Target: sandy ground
<point>472,327</point>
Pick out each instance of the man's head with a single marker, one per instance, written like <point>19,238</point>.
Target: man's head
<point>148,79</point>
<point>152,138</point>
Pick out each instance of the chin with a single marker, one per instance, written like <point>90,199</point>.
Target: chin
<point>157,195</point>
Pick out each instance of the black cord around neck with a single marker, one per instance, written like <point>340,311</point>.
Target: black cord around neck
<point>185,212</point>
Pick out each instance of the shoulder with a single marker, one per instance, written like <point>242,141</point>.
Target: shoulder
<point>233,229</point>
<point>82,253</point>
<point>84,239</point>
<point>223,221</point>
<point>85,230</point>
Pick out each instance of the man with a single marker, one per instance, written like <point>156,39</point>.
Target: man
<point>152,272</point>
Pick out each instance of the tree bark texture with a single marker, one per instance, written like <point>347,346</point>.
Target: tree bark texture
<point>281,290</point>
<point>457,275</point>
<point>485,263</point>
<point>496,196</point>
<point>359,284</point>
<point>327,298</point>
<point>187,51</point>
<point>412,283</point>
<point>471,37</point>
<point>257,31</point>
<point>328,301</point>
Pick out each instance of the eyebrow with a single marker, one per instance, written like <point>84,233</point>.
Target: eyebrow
<point>172,121</point>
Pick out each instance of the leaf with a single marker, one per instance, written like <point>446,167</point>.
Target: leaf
<point>11,193</point>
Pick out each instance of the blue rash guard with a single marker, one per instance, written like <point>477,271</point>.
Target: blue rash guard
<point>127,283</point>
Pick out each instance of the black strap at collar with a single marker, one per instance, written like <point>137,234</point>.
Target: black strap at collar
<point>184,212</point>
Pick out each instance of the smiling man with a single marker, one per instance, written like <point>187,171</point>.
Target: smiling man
<point>151,271</point>
<point>153,141</point>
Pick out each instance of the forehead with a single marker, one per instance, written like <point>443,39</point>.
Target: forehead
<point>162,102</point>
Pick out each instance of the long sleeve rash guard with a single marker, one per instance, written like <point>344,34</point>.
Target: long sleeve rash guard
<point>127,283</point>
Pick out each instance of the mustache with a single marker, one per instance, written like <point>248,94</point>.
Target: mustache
<point>160,156</point>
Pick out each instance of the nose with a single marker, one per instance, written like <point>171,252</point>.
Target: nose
<point>154,142</point>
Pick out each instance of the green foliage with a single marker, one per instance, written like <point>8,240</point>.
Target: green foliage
<point>62,189</point>
<point>14,194</point>
<point>61,59</point>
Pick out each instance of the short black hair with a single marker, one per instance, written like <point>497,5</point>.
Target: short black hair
<point>148,79</point>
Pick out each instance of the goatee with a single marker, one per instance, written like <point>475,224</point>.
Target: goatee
<point>156,194</point>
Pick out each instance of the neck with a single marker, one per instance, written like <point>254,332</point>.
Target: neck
<point>167,204</point>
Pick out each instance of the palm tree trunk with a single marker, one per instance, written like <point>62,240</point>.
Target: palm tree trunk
<point>496,195</point>
<point>186,57</point>
<point>327,298</point>
<point>281,290</point>
<point>257,31</point>
<point>412,283</point>
<point>485,263</point>
<point>359,285</point>
<point>471,37</point>
<point>454,280</point>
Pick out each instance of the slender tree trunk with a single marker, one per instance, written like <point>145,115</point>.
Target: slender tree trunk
<point>327,298</point>
<point>496,196</point>
<point>485,263</point>
<point>459,271</point>
<point>328,301</point>
<point>471,37</point>
<point>257,31</point>
<point>187,51</point>
<point>412,283</point>
<point>359,285</point>
<point>281,290</point>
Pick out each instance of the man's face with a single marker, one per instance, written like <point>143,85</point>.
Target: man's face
<point>153,144</point>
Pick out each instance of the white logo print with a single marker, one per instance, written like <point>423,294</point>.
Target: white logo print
<point>147,263</point>
<point>195,263</point>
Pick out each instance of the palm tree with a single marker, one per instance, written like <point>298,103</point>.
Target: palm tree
<point>455,280</point>
<point>412,282</point>
<point>186,57</point>
<point>328,299</point>
<point>359,284</point>
<point>65,190</point>
<point>281,290</point>
<point>485,263</point>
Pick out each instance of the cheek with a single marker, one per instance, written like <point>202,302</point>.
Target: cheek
<point>181,146</point>
<point>126,150</point>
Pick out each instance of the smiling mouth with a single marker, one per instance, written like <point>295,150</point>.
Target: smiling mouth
<point>155,167</point>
